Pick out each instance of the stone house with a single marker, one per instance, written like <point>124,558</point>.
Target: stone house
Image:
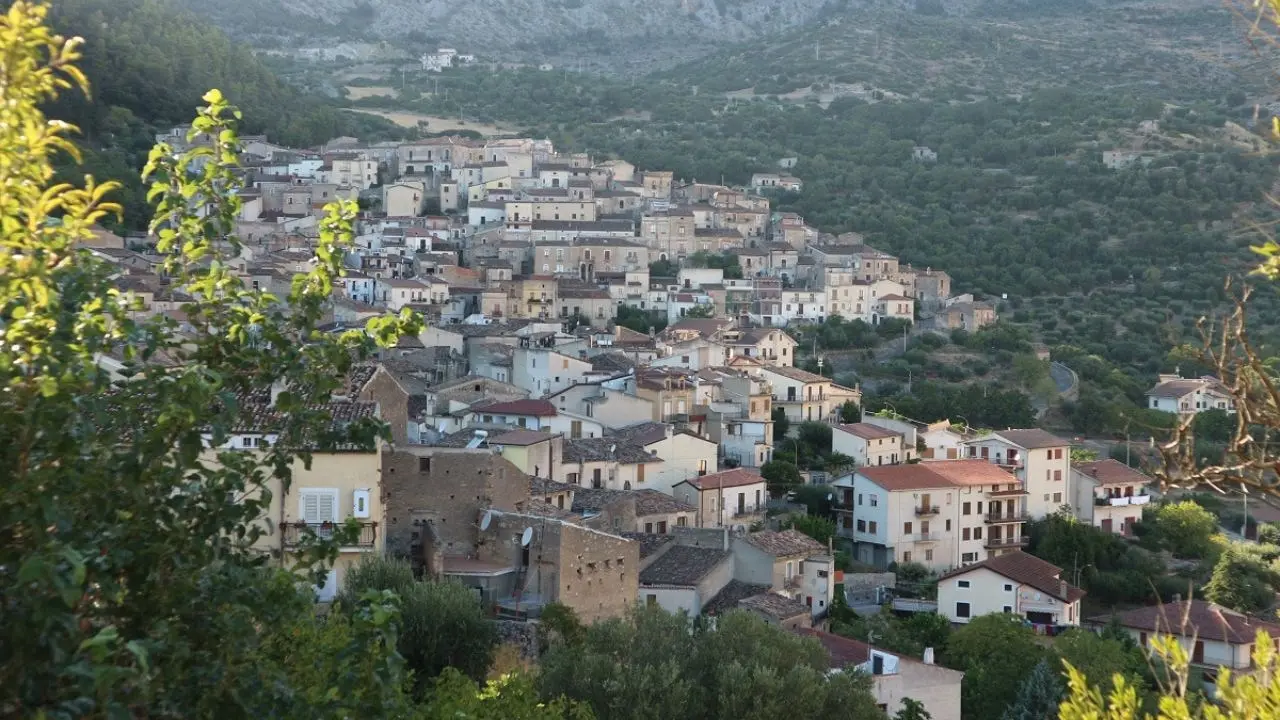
<point>791,563</point>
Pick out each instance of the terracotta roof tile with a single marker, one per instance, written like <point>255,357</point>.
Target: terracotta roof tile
<point>683,566</point>
<point>867,431</point>
<point>1205,620</point>
<point>785,543</point>
<point>536,408</point>
<point>1032,439</point>
<point>1110,472</point>
<point>737,477</point>
<point>1027,570</point>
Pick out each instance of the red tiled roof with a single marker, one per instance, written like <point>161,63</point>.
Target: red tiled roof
<point>536,408</point>
<point>727,479</point>
<point>842,652</point>
<point>1204,620</point>
<point>867,431</point>
<point>1110,472</point>
<point>946,473</point>
<point>1027,570</point>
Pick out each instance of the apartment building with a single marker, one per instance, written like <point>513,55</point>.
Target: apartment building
<point>1040,460</point>
<point>871,445</point>
<point>733,498</point>
<point>805,396</point>
<point>1109,494</point>
<point>940,514</point>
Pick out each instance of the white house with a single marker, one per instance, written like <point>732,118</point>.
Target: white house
<point>791,563</point>
<point>1109,494</point>
<point>1214,637</point>
<point>725,499</point>
<point>1015,583</point>
<point>527,414</point>
<point>1187,397</point>
<point>871,445</point>
<point>1039,459</point>
<point>684,578</point>
<point>684,453</point>
<point>894,676</point>
<point>543,372</point>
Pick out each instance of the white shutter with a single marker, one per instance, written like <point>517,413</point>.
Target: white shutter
<point>318,505</point>
<point>328,506</point>
<point>310,508</point>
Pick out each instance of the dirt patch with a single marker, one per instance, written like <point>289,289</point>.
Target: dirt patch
<point>436,124</point>
<point>357,92</point>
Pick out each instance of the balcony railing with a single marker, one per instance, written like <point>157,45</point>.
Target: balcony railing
<point>296,531</point>
<point>922,510</point>
<point>925,537</point>
<point>1123,500</point>
<point>997,543</point>
<point>1016,517</point>
<point>1018,492</point>
<point>794,581</point>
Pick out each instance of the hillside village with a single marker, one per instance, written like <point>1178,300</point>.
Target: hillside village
<point>542,452</point>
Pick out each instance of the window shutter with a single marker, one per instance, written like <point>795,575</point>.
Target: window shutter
<point>328,507</point>
<point>310,508</point>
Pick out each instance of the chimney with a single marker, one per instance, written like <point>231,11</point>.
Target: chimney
<point>1064,589</point>
<point>928,656</point>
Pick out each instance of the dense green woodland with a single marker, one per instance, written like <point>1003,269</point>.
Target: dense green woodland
<point>149,62</point>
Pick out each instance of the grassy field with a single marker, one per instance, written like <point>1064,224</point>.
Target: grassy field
<point>356,92</point>
<point>438,124</point>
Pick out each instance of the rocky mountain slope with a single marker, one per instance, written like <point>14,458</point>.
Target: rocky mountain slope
<point>611,31</point>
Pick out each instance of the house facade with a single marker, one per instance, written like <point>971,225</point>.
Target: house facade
<point>1110,495</point>
<point>1014,583</point>
<point>733,498</point>
<point>1040,460</point>
<point>1186,397</point>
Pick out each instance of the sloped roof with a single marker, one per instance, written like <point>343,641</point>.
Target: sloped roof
<point>644,433</point>
<point>1032,439</point>
<point>536,408</point>
<point>785,542</point>
<point>1205,620</point>
<point>683,566</point>
<point>867,431</point>
<point>1110,472</point>
<point>606,448</point>
<point>1027,570</point>
<point>1179,388</point>
<point>653,502</point>
<point>736,477</point>
<point>729,596</point>
<point>521,437</point>
<point>774,605</point>
<point>650,543</point>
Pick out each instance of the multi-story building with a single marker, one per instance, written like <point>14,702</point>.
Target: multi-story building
<point>1188,396</point>
<point>1041,461</point>
<point>669,234</point>
<point>939,514</point>
<point>805,396</point>
<point>733,498</point>
<point>871,445</point>
<point>1109,494</point>
<point>791,563</point>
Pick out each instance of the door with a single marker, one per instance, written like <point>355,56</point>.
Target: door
<point>1197,655</point>
<point>1106,525</point>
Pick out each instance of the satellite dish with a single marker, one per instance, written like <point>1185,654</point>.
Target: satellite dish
<point>527,537</point>
<point>484,521</point>
<point>830,497</point>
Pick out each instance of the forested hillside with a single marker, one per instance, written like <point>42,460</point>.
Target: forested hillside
<point>149,63</point>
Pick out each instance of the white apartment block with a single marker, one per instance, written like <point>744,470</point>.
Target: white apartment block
<point>940,514</point>
<point>1040,460</point>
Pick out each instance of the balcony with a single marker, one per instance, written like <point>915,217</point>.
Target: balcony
<point>926,510</point>
<point>929,537</point>
<point>998,518</point>
<point>1002,543</point>
<point>794,581</point>
<point>295,532</point>
<point>1122,500</point>
<point>1018,492</point>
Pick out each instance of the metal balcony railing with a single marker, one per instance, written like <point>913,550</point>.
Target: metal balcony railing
<point>922,510</point>
<point>295,532</point>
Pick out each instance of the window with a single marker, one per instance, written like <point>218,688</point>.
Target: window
<point>648,528</point>
<point>962,583</point>
<point>317,506</point>
<point>906,556</point>
<point>681,521</point>
<point>1057,497</point>
<point>651,600</point>
<point>964,534</point>
<point>875,500</point>
<point>859,498</point>
<point>871,526</point>
<point>906,528</point>
<point>928,555</point>
<point>965,508</point>
<point>962,609</point>
<point>1008,609</point>
<point>1057,476</point>
<point>1008,587</point>
<point>969,557</point>
<point>948,526</point>
<point>862,526</point>
<point>977,533</point>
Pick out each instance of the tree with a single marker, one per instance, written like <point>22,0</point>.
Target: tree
<point>819,528</point>
<point>996,652</point>
<point>134,584</point>
<point>837,464</point>
<point>706,310</point>
<point>511,697</point>
<point>912,710</point>
<point>781,425</point>
<point>1242,581</point>
<point>442,625</point>
<point>743,667</point>
<point>1100,656</point>
<point>1039,695</point>
<point>781,476</point>
<point>850,412</point>
<point>1255,694</point>
<point>1186,528</point>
